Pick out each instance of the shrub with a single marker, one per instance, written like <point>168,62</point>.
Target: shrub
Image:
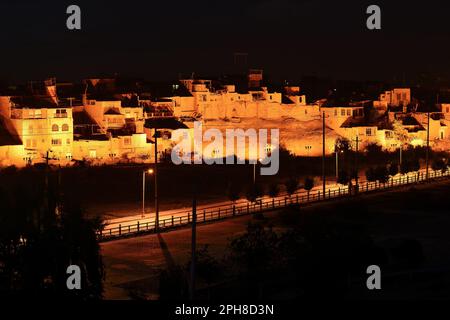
<point>291,185</point>
<point>343,177</point>
<point>370,175</point>
<point>382,174</point>
<point>274,190</point>
<point>393,169</point>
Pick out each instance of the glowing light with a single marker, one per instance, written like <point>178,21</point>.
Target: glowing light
<point>417,142</point>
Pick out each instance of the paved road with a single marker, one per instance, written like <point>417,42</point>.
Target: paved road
<point>149,217</point>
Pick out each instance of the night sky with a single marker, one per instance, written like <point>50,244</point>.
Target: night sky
<point>287,38</point>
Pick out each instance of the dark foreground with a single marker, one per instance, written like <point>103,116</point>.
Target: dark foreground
<point>318,251</point>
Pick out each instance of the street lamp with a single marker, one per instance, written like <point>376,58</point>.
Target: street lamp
<point>149,171</point>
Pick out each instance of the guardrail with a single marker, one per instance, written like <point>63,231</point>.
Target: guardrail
<point>216,213</point>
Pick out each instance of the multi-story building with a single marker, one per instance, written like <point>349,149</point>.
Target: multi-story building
<point>45,129</point>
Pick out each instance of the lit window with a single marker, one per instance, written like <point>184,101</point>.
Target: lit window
<point>349,112</point>
<point>368,131</point>
<point>61,113</point>
<point>65,127</point>
<point>56,142</point>
<point>68,141</point>
<point>343,112</point>
<point>55,128</point>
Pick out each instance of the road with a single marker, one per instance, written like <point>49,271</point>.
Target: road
<point>133,265</point>
<point>149,218</point>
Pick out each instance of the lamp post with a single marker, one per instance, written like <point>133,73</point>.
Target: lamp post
<point>149,171</point>
<point>156,136</point>
<point>323,156</point>
<point>428,145</point>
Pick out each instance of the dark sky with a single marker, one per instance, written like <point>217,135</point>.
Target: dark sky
<point>286,38</point>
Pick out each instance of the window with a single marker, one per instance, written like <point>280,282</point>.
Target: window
<point>34,143</point>
<point>447,109</point>
<point>68,141</point>
<point>65,127</point>
<point>368,131</point>
<point>35,114</point>
<point>92,153</point>
<point>127,141</point>
<point>343,112</point>
<point>56,142</point>
<point>61,113</point>
<point>349,112</point>
<point>335,112</point>
<point>30,129</point>
<point>28,143</point>
<point>55,128</point>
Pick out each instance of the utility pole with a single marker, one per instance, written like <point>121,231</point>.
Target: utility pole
<point>356,164</point>
<point>143,193</point>
<point>156,182</point>
<point>428,142</point>
<point>46,187</point>
<point>337,165</point>
<point>193,240</point>
<point>323,154</point>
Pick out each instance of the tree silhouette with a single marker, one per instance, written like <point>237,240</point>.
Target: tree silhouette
<point>254,191</point>
<point>370,175</point>
<point>233,191</point>
<point>393,169</point>
<point>343,177</point>
<point>308,184</point>
<point>342,145</point>
<point>274,190</point>
<point>41,234</point>
<point>255,251</point>
<point>291,186</point>
<point>382,174</point>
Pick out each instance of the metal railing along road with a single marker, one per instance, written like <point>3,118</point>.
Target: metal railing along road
<point>216,213</point>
